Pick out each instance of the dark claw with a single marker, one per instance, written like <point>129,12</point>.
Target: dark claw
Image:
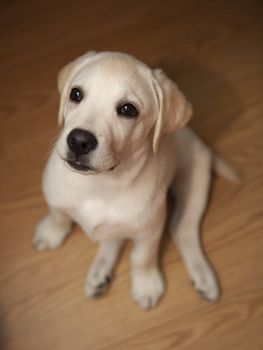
<point>101,285</point>
<point>97,294</point>
<point>199,291</point>
<point>100,288</point>
<point>108,279</point>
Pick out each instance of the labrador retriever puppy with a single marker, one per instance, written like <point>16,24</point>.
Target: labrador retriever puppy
<point>123,144</point>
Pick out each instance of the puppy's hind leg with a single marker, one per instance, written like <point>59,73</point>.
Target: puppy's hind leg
<point>191,189</point>
<point>52,230</point>
<point>100,273</point>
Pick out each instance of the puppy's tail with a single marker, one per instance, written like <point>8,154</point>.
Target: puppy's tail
<point>225,170</point>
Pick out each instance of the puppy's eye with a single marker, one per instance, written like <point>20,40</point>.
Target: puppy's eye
<point>127,110</point>
<point>75,95</point>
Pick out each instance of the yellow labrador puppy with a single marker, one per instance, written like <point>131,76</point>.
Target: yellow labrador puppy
<point>122,145</point>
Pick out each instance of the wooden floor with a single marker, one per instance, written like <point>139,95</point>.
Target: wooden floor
<point>214,51</point>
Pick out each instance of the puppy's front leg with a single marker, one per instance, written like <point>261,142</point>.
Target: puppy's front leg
<point>51,230</point>
<point>100,274</point>
<point>147,281</point>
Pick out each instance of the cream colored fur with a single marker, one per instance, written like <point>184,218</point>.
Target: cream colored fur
<point>152,153</point>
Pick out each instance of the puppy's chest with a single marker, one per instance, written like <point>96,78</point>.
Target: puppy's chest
<point>106,216</point>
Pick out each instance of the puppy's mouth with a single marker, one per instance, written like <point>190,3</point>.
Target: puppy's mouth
<point>77,165</point>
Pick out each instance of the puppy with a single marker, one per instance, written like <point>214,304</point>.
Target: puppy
<point>123,144</point>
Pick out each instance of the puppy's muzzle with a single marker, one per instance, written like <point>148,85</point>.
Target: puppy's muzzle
<point>80,142</point>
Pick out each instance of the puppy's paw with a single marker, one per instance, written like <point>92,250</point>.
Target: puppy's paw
<point>98,279</point>
<point>48,235</point>
<point>147,287</point>
<point>205,283</point>
<point>97,285</point>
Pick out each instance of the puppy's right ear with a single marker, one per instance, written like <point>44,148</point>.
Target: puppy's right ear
<point>64,78</point>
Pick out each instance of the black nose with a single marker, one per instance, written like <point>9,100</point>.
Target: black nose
<point>81,141</point>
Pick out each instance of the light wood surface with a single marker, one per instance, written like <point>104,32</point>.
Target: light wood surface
<point>214,51</point>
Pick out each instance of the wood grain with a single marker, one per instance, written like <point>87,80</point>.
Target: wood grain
<point>214,51</point>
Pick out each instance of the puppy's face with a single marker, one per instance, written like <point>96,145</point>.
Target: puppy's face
<point>109,106</point>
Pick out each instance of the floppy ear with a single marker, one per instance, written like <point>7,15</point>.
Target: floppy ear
<point>64,78</point>
<point>174,110</point>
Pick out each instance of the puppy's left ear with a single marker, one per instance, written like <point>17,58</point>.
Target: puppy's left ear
<point>64,78</point>
<point>174,110</point>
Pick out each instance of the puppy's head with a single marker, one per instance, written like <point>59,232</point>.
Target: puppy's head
<point>111,106</point>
